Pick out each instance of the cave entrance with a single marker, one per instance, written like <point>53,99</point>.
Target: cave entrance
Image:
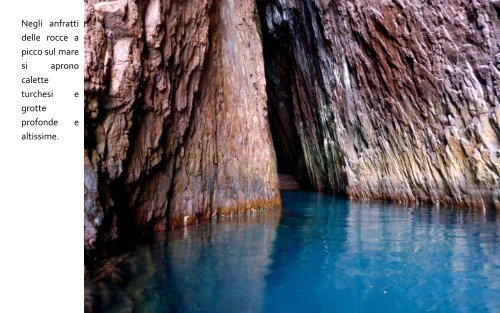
<point>278,63</point>
<point>289,157</point>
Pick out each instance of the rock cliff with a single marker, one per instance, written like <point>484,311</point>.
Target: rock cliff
<point>176,116</point>
<point>387,99</point>
<point>372,99</point>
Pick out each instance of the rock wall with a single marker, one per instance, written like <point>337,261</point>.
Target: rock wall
<point>387,99</point>
<point>391,99</point>
<point>176,116</point>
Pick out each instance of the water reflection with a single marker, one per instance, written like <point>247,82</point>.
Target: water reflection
<point>323,254</point>
<point>308,241</point>
<point>216,267</point>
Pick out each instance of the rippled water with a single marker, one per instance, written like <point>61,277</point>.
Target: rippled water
<point>320,254</point>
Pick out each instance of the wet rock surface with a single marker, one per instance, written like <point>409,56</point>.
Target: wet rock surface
<point>176,117</point>
<point>372,99</point>
<point>387,99</point>
<point>288,182</point>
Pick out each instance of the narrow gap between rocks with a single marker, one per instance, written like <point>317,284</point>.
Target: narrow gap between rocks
<point>278,66</point>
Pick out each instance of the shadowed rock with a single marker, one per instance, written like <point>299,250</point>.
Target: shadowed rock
<point>176,117</point>
<point>372,99</point>
<point>387,99</point>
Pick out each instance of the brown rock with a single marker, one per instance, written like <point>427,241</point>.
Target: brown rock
<point>387,99</point>
<point>176,118</point>
<point>392,99</point>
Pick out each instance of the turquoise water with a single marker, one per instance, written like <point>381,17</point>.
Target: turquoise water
<point>320,254</point>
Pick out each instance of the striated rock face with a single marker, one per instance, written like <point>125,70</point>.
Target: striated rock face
<point>378,99</point>
<point>176,115</point>
<point>387,99</point>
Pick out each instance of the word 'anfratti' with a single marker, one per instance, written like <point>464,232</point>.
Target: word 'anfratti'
<point>39,23</point>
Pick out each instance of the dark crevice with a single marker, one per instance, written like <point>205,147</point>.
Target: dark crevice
<point>278,66</point>
<point>299,83</point>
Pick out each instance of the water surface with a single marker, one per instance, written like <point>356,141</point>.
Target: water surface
<point>320,254</point>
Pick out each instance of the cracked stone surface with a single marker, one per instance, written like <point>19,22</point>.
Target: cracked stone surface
<point>373,99</point>
<point>176,116</point>
<point>387,99</point>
